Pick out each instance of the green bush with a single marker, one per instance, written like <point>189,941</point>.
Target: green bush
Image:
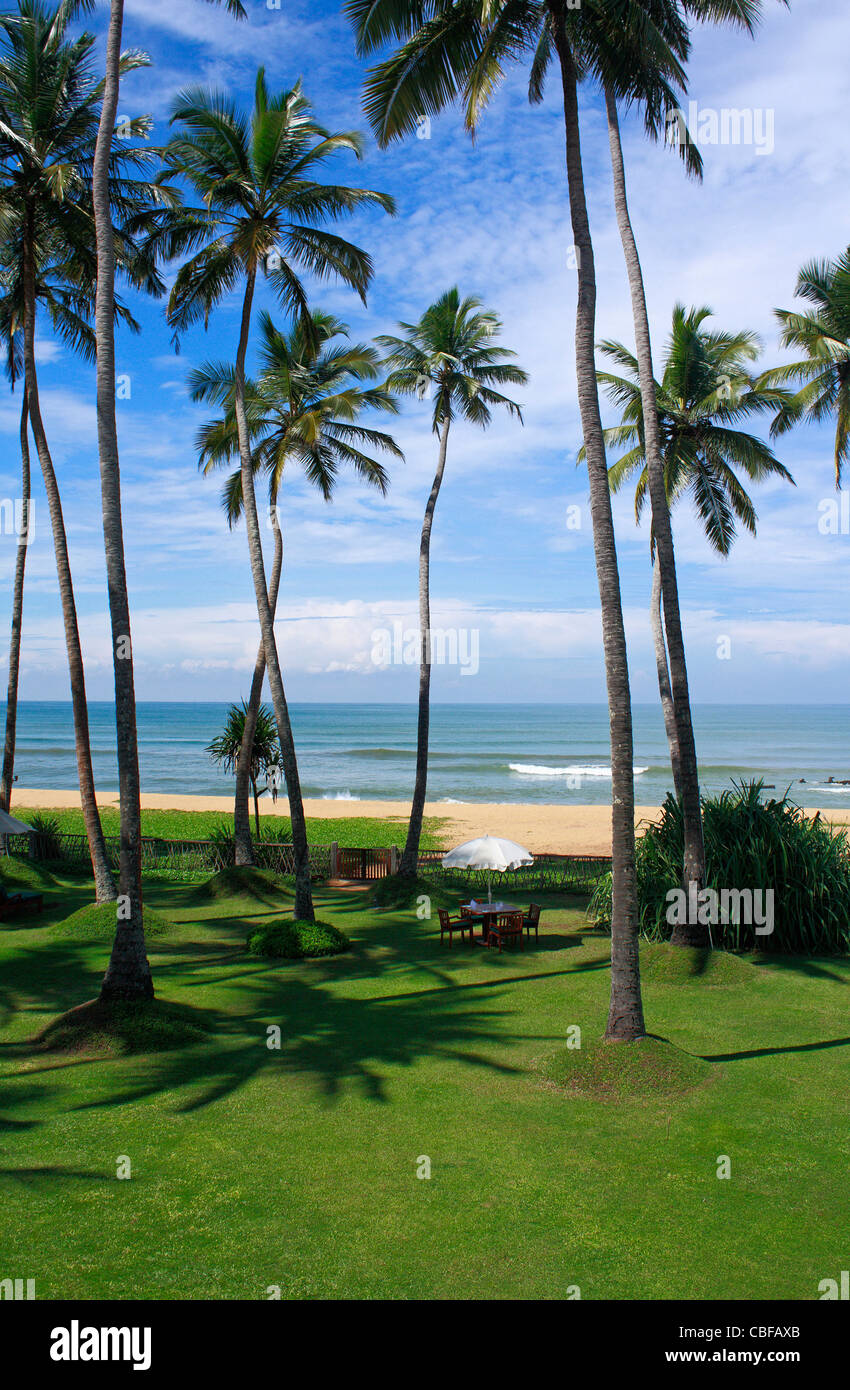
<point>290,940</point>
<point>48,844</point>
<point>749,843</point>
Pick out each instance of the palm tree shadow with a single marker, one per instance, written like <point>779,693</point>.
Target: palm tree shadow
<point>775,1051</point>
<point>331,1039</point>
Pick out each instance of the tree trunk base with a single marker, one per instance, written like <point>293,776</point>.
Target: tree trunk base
<point>691,934</point>
<point>114,993</point>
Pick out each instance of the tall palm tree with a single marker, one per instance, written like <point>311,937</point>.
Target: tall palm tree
<point>50,101</point>
<point>823,335</point>
<point>226,748</point>
<point>460,50</point>
<point>14,367</point>
<point>128,973</point>
<point>303,410</point>
<point>453,350</point>
<point>258,213</point>
<point>705,390</point>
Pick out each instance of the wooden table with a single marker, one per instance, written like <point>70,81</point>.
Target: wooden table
<point>487,911</point>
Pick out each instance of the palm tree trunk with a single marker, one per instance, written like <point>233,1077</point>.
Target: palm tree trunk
<point>625,1016</point>
<point>241,815</point>
<point>8,775</point>
<point>128,975</point>
<point>664,677</point>
<point>303,890</point>
<point>104,883</point>
<point>693,869</point>
<point>410,858</point>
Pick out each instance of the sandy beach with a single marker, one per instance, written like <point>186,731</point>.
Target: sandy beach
<point>541,828</point>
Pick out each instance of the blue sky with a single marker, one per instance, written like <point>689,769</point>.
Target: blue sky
<point>493,218</point>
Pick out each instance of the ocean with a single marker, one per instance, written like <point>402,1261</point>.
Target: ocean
<point>501,753</point>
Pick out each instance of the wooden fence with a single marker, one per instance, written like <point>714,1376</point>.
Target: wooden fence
<point>563,872</point>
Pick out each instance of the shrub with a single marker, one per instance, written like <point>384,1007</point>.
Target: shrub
<point>290,940</point>
<point>48,844</point>
<point>749,843</point>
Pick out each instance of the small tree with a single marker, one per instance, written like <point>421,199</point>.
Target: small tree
<point>265,751</point>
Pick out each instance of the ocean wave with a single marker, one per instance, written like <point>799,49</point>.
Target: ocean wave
<point>339,796</point>
<point>577,770</point>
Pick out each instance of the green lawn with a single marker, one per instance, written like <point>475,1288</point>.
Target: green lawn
<point>297,1168</point>
<point>358,832</point>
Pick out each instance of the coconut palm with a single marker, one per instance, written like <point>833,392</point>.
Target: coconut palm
<point>128,974</point>
<point>227,749</point>
<point>14,367</point>
<point>452,351</point>
<point>259,212</point>
<point>823,335</point>
<point>706,388</point>
<point>637,50</point>
<point>49,111</point>
<point>460,50</point>
<point>303,410</point>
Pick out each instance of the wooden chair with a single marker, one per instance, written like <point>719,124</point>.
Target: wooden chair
<point>507,927</point>
<point>531,920</point>
<point>448,925</point>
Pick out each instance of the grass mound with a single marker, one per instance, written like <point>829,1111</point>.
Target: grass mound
<point>122,1028</point>
<point>615,1071</point>
<point>96,922</point>
<point>248,882</point>
<point>298,940</point>
<point>680,965</point>
<point>24,874</point>
<point>402,890</point>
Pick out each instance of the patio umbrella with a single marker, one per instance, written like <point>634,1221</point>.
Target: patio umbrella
<point>10,826</point>
<point>490,853</point>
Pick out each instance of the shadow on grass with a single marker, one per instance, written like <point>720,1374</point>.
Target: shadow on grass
<point>329,1039</point>
<point>775,1051</point>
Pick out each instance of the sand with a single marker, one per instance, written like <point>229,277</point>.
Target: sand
<point>540,828</point>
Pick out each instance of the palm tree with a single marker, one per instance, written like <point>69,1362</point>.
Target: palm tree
<point>706,388</point>
<point>227,748</point>
<point>823,335</point>
<point>303,409</point>
<point>258,212</point>
<point>453,350</point>
<point>637,48</point>
<point>128,973</point>
<point>460,50</point>
<point>49,102</point>
<point>14,367</point>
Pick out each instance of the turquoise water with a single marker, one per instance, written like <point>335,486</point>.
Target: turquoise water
<point>532,753</point>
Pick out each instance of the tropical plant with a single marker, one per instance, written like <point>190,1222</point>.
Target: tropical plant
<point>706,389</point>
<point>753,845</point>
<point>824,336</point>
<point>452,351</point>
<point>302,410</point>
<point>258,212</point>
<point>50,104</point>
<point>460,50</point>
<point>14,367</point>
<point>227,750</point>
<point>128,973</point>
